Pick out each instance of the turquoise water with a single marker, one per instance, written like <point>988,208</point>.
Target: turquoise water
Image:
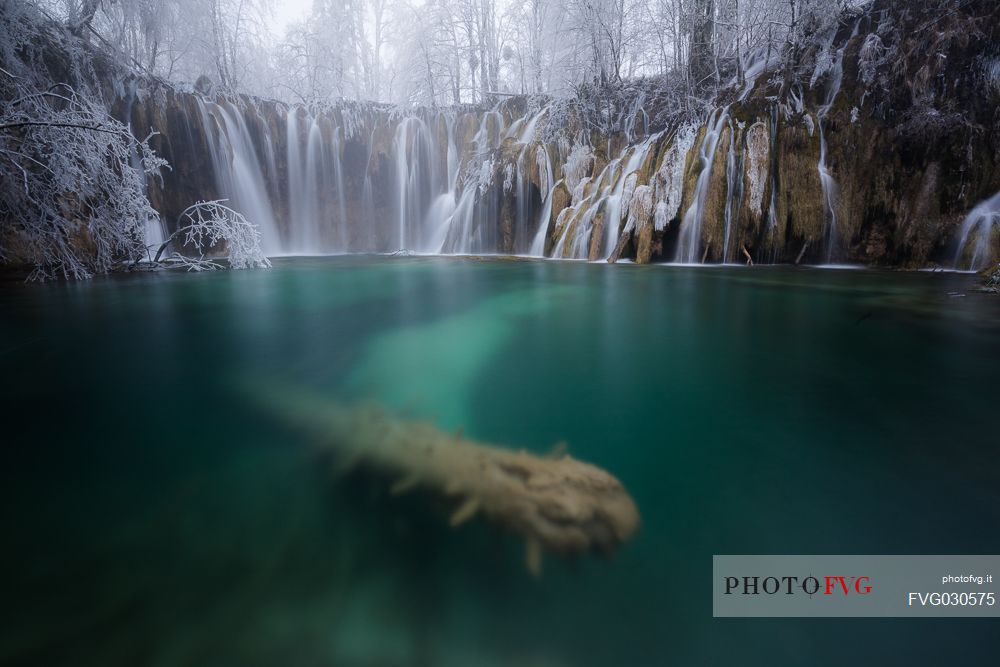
<point>156,513</point>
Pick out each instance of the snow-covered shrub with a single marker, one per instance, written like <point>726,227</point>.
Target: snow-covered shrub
<point>208,226</point>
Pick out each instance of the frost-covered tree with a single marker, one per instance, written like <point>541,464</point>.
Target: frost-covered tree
<point>71,198</point>
<point>73,178</point>
<point>226,39</point>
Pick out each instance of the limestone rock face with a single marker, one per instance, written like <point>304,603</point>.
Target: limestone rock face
<point>641,213</point>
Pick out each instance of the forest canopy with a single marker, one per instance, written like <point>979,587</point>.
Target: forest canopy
<point>443,52</point>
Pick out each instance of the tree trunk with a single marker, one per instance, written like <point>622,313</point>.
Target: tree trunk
<point>81,25</point>
<point>701,60</point>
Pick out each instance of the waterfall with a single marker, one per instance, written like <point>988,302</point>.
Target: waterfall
<point>522,197</point>
<point>237,169</point>
<point>548,188</point>
<point>471,227</point>
<point>734,189</point>
<point>367,239</point>
<point>308,226</point>
<point>830,195</point>
<point>827,182</point>
<point>772,209</point>
<point>401,145</point>
<point>341,235</point>
<point>609,196</point>
<point>420,182</point>
<point>153,234</point>
<point>621,195</point>
<point>689,243</point>
<point>577,227</point>
<point>523,129</point>
<point>979,222</point>
<point>440,182</point>
<point>759,61</point>
<point>317,210</point>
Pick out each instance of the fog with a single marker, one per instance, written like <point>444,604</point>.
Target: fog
<point>444,52</point>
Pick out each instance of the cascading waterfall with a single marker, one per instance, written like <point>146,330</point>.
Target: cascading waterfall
<point>621,195</point>
<point>758,62</point>
<point>827,182</point>
<point>467,229</point>
<point>298,199</point>
<point>237,169</point>
<point>548,188</point>
<point>271,177</point>
<point>367,238</point>
<point>609,196</point>
<point>575,239</point>
<point>524,218</point>
<point>416,180</point>
<point>772,209</point>
<point>689,243</point>
<point>462,182</point>
<point>734,189</point>
<point>365,177</point>
<point>340,236</point>
<point>978,225</point>
<point>317,213</point>
<point>443,206</point>
<point>153,234</point>
<point>448,197</point>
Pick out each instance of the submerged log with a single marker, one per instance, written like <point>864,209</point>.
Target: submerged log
<point>555,503</point>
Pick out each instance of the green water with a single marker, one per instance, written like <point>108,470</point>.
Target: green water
<point>153,514</point>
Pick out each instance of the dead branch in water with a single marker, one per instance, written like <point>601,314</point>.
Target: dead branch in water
<point>801,253</point>
<point>555,503</point>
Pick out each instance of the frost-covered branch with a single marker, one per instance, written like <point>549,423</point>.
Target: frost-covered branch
<point>208,226</point>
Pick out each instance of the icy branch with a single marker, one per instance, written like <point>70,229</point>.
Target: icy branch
<point>212,225</point>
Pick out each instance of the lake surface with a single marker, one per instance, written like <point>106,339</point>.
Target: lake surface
<point>155,512</point>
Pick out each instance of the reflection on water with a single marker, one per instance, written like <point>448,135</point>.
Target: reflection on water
<point>155,514</point>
